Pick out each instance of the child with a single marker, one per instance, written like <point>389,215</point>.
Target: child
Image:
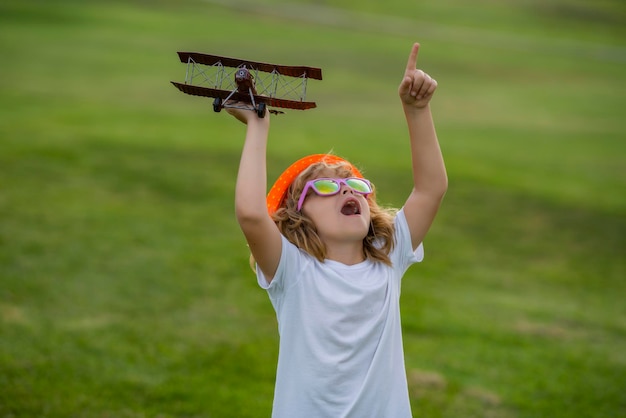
<point>332,260</point>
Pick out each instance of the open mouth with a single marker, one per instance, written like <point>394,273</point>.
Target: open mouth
<point>351,207</point>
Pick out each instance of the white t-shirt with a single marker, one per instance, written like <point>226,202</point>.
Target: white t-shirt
<point>340,352</point>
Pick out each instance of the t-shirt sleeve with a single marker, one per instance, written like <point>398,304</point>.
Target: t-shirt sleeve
<point>291,264</point>
<point>403,255</point>
<point>291,261</point>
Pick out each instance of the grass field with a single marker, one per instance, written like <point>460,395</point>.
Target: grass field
<point>125,289</point>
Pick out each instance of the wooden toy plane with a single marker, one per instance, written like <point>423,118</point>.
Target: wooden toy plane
<point>246,84</point>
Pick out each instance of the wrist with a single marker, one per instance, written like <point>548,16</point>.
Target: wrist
<point>257,123</point>
<point>415,111</point>
<point>258,129</point>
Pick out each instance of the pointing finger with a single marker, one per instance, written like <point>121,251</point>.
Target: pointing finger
<point>412,63</point>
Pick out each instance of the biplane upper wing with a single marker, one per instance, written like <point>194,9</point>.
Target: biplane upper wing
<point>292,71</point>
<point>236,96</point>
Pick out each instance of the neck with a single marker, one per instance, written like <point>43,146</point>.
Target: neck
<point>348,254</point>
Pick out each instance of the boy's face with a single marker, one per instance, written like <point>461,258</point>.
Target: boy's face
<point>343,217</point>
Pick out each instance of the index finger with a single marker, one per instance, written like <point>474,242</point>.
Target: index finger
<point>412,63</point>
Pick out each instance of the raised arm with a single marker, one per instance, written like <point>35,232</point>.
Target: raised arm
<point>430,180</point>
<point>259,229</point>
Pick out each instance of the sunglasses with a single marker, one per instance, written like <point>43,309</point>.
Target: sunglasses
<point>329,187</point>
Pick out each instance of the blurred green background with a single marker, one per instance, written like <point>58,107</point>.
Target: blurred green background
<point>125,289</point>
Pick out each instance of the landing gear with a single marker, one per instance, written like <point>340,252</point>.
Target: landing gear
<point>261,110</point>
<point>217,104</point>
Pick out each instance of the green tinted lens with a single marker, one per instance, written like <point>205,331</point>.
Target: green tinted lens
<point>359,185</point>
<point>324,186</point>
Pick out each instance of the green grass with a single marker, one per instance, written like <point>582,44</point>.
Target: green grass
<point>125,287</point>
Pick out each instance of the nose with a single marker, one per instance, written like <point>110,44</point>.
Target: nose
<point>346,189</point>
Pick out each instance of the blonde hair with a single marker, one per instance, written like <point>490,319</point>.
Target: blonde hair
<point>301,231</point>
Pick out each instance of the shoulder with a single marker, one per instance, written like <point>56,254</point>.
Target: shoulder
<point>292,261</point>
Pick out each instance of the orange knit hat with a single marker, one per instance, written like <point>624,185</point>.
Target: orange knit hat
<point>278,192</point>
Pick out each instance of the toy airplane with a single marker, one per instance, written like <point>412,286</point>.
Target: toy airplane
<point>246,84</point>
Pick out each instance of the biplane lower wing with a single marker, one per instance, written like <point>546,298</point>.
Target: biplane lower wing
<point>236,96</point>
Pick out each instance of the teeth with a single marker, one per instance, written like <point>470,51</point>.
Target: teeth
<point>350,208</point>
